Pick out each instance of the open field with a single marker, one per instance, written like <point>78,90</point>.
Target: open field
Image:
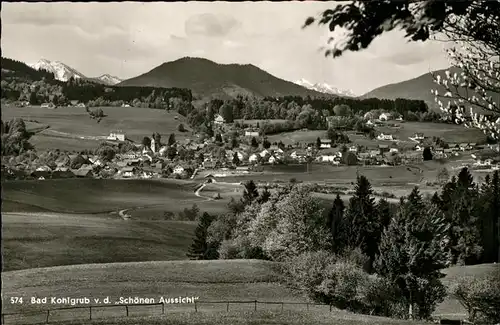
<point>332,174</point>
<point>297,136</point>
<point>42,239</point>
<point>448,132</point>
<point>96,196</point>
<point>451,308</point>
<point>220,280</point>
<point>69,124</point>
<point>274,317</point>
<point>208,280</point>
<point>260,122</point>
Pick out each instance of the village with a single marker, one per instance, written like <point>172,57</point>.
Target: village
<point>246,150</point>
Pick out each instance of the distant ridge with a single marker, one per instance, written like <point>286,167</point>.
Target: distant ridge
<point>416,88</point>
<point>210,79</point>
<point>64,72</point>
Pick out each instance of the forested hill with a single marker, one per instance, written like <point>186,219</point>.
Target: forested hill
<point>208,79</point>
<point>23,83</point>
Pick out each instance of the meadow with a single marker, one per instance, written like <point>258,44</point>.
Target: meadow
<point>448,132</point>
<point>219,280</point>
<point>31,240</point>
<point>71,128</point>
<point>101,196</point>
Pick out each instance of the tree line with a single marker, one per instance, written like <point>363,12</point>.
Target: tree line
<point>365,256</point>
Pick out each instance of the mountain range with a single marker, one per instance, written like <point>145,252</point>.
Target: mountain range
<point>208,79</point>
<point>64,72</point>
<point>325,88</point>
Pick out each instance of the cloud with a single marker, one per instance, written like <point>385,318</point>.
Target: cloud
<point>130,38</point>
<point>211,25</point>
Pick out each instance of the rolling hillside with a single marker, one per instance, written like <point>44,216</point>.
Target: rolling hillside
<point>417,88</point>
<point>207,78</point>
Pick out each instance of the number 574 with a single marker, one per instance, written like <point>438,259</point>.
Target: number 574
<point>16,300</point>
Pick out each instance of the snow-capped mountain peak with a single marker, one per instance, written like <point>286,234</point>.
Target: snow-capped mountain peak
<point>109,79</point>
<point>61,71</point>
<point>325,88</point>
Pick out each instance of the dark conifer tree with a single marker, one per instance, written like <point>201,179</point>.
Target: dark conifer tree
<point>250,193</point>
<point>264,196</point>
<point>334,224</point>
<point>490,218</point>
<point>200,248</point>
<point>255,144</point>
<point>384,211</point>
<point>411,255</point>
<point>361,221</point>
<point>171,139</point>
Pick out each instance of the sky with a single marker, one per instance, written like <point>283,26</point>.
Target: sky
<point>130,38</point>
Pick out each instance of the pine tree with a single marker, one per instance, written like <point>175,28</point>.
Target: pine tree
<point>218,138</point>
<point>200,248</point>
<point>490,218</point>
<point>264,196</point>
<point>361,224</point>
<point>384,212</point>
<point>171,139</point>
<point>236,159</point>
<point>254,144</point>
<point>459,202</point>
<point>250,193</point>
<point>318,143</point>
<point>411,255</point>
<point>334,224</point>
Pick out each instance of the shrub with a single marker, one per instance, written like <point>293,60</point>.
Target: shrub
<point>480,297</point>
<point>229,250</point>
<point>306,271</point>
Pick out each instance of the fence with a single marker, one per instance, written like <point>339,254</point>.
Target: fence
<point>122,310</point>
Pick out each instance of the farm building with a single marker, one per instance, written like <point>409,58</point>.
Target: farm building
<point>253,158</point>
<point>369,116</point>
<point>48,105</point>
<point>62,172</point>
<point>298,154</point>
<point>83,172</point>
<point>325,143</point>
<point>383,136</point>
<point>116,135</point>
<point>251,133</point>
<point>128,171</point>
<point>219,119</point>
<point>385,117</point>
<point>353,149</point>
<point>383,148</point>
<point>178,170</point>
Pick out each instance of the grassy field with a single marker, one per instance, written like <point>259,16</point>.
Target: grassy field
<point>47,239</point>
<point>288,317</point>
<point>333,174</point>
<point>208,280</point>
<point>260,122</point>
<point>72,129</point>
<point>297,136</point>
<point>102,195</point>
<point>451,307</point>
<point>240,280</point>
<point>448,132</point>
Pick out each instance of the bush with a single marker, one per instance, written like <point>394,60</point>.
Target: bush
<point>306,271</point>
<point>480,297</point>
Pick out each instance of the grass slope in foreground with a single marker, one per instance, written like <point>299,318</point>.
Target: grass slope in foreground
<point>42,240</point>
<point>208,280</point>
